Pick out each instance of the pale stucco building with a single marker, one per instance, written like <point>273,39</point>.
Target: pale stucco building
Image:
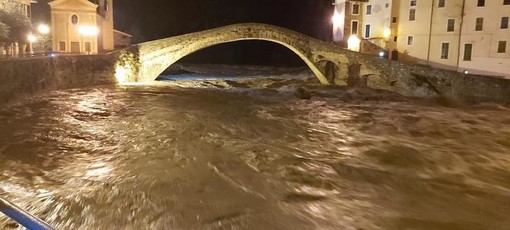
<point>427,32</point>
<point>485,40</point>
<point>460,35</point>
<point>81,26</point>
<point>367,20</point>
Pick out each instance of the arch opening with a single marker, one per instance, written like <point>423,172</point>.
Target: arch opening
<point>200,46</point>
<point>247,52</point>
<point>254,59</point>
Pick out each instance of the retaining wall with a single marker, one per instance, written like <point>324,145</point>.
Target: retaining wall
<point>21,78</point>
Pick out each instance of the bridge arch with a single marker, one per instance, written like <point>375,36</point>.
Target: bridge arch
<point>156,56</point>
<point>297,52</point>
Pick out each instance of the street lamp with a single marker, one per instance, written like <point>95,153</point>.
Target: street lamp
<point>386,33</point>
<point>31,39</point>
<point>88,30</point>
<point>337,18</point>
<point>43,29</point>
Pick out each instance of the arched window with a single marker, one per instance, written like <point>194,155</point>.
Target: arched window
<point>74,19</point>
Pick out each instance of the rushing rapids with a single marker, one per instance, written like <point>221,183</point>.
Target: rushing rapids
<point>247,153</point>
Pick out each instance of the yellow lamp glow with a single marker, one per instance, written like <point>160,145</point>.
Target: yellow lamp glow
<point>353,43</point>
<point>386,33</point>
<point>88,30</point>
<point>43,29</point>
<point>337,18</point>
<point>122,73</point>
<point>31,38</point>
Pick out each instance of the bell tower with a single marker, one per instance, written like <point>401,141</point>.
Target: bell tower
<point>105,23</point>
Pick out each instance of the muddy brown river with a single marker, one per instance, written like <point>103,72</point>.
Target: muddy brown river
<point>218,155</point>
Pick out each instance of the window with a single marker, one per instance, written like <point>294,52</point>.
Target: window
<point>394,38</point>
<point>481,3</point>
<point>445,49</point>
<point>412,14</point>
<point>504,23</point>
<point>394,20</point>
<point>410,40</point>
<point>479,24</point>
<point>62,46</point>
<point>451,25</point>
<point>441,3</point>
<point>387,5</point>
<point>354,27</point>
<point>355,9</point>
<point>369,9</point>
<point>502,47</point>
<point>367,31</point>
<point>506,2</point>
<point>106,7</point>
<point>413,2</point>
<point>74,19</point>
<point>468,51</point>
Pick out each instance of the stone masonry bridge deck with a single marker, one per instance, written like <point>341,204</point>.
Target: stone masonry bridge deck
<point>324,59</point>
<point>330,63</point>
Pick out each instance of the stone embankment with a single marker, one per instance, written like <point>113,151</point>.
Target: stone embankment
<point>423,81</point>
<point>25,77</point>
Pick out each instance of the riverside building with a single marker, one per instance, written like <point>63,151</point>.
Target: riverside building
<point>468,36</point>
<point>81,26</point>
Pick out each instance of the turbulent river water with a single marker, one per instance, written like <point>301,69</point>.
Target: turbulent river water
<point>249,154</point>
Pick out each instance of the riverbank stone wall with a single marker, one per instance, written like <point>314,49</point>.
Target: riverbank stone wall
<point>21,78</point>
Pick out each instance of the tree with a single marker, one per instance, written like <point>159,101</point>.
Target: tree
<point>15,24</point>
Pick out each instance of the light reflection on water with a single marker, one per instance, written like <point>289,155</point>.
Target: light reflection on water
<point>159,157</point>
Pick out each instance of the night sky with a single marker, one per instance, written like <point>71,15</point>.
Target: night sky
<point>153,19</point>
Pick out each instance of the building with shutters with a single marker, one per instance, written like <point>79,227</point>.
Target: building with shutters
<point>465,35</point>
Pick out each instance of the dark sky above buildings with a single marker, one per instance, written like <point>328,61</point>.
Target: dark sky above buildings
<point>153,19</point>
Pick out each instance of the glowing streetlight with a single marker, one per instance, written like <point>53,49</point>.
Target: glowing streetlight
<point>122,73</point>
<point>337,18</point>
<point>88,30</point>
<point>386,33</point>
<point>43,29</point>
<point>31,38</point>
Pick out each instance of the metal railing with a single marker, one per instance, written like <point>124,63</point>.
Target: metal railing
<point>22,217</point>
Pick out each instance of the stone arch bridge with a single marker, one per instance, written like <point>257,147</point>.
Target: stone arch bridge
<point>330,63</point>
<point>146,61</point>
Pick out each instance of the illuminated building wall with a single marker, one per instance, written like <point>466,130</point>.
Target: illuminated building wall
<point>81,26</point>
<point>486,49</point>
<point>461,35</point>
